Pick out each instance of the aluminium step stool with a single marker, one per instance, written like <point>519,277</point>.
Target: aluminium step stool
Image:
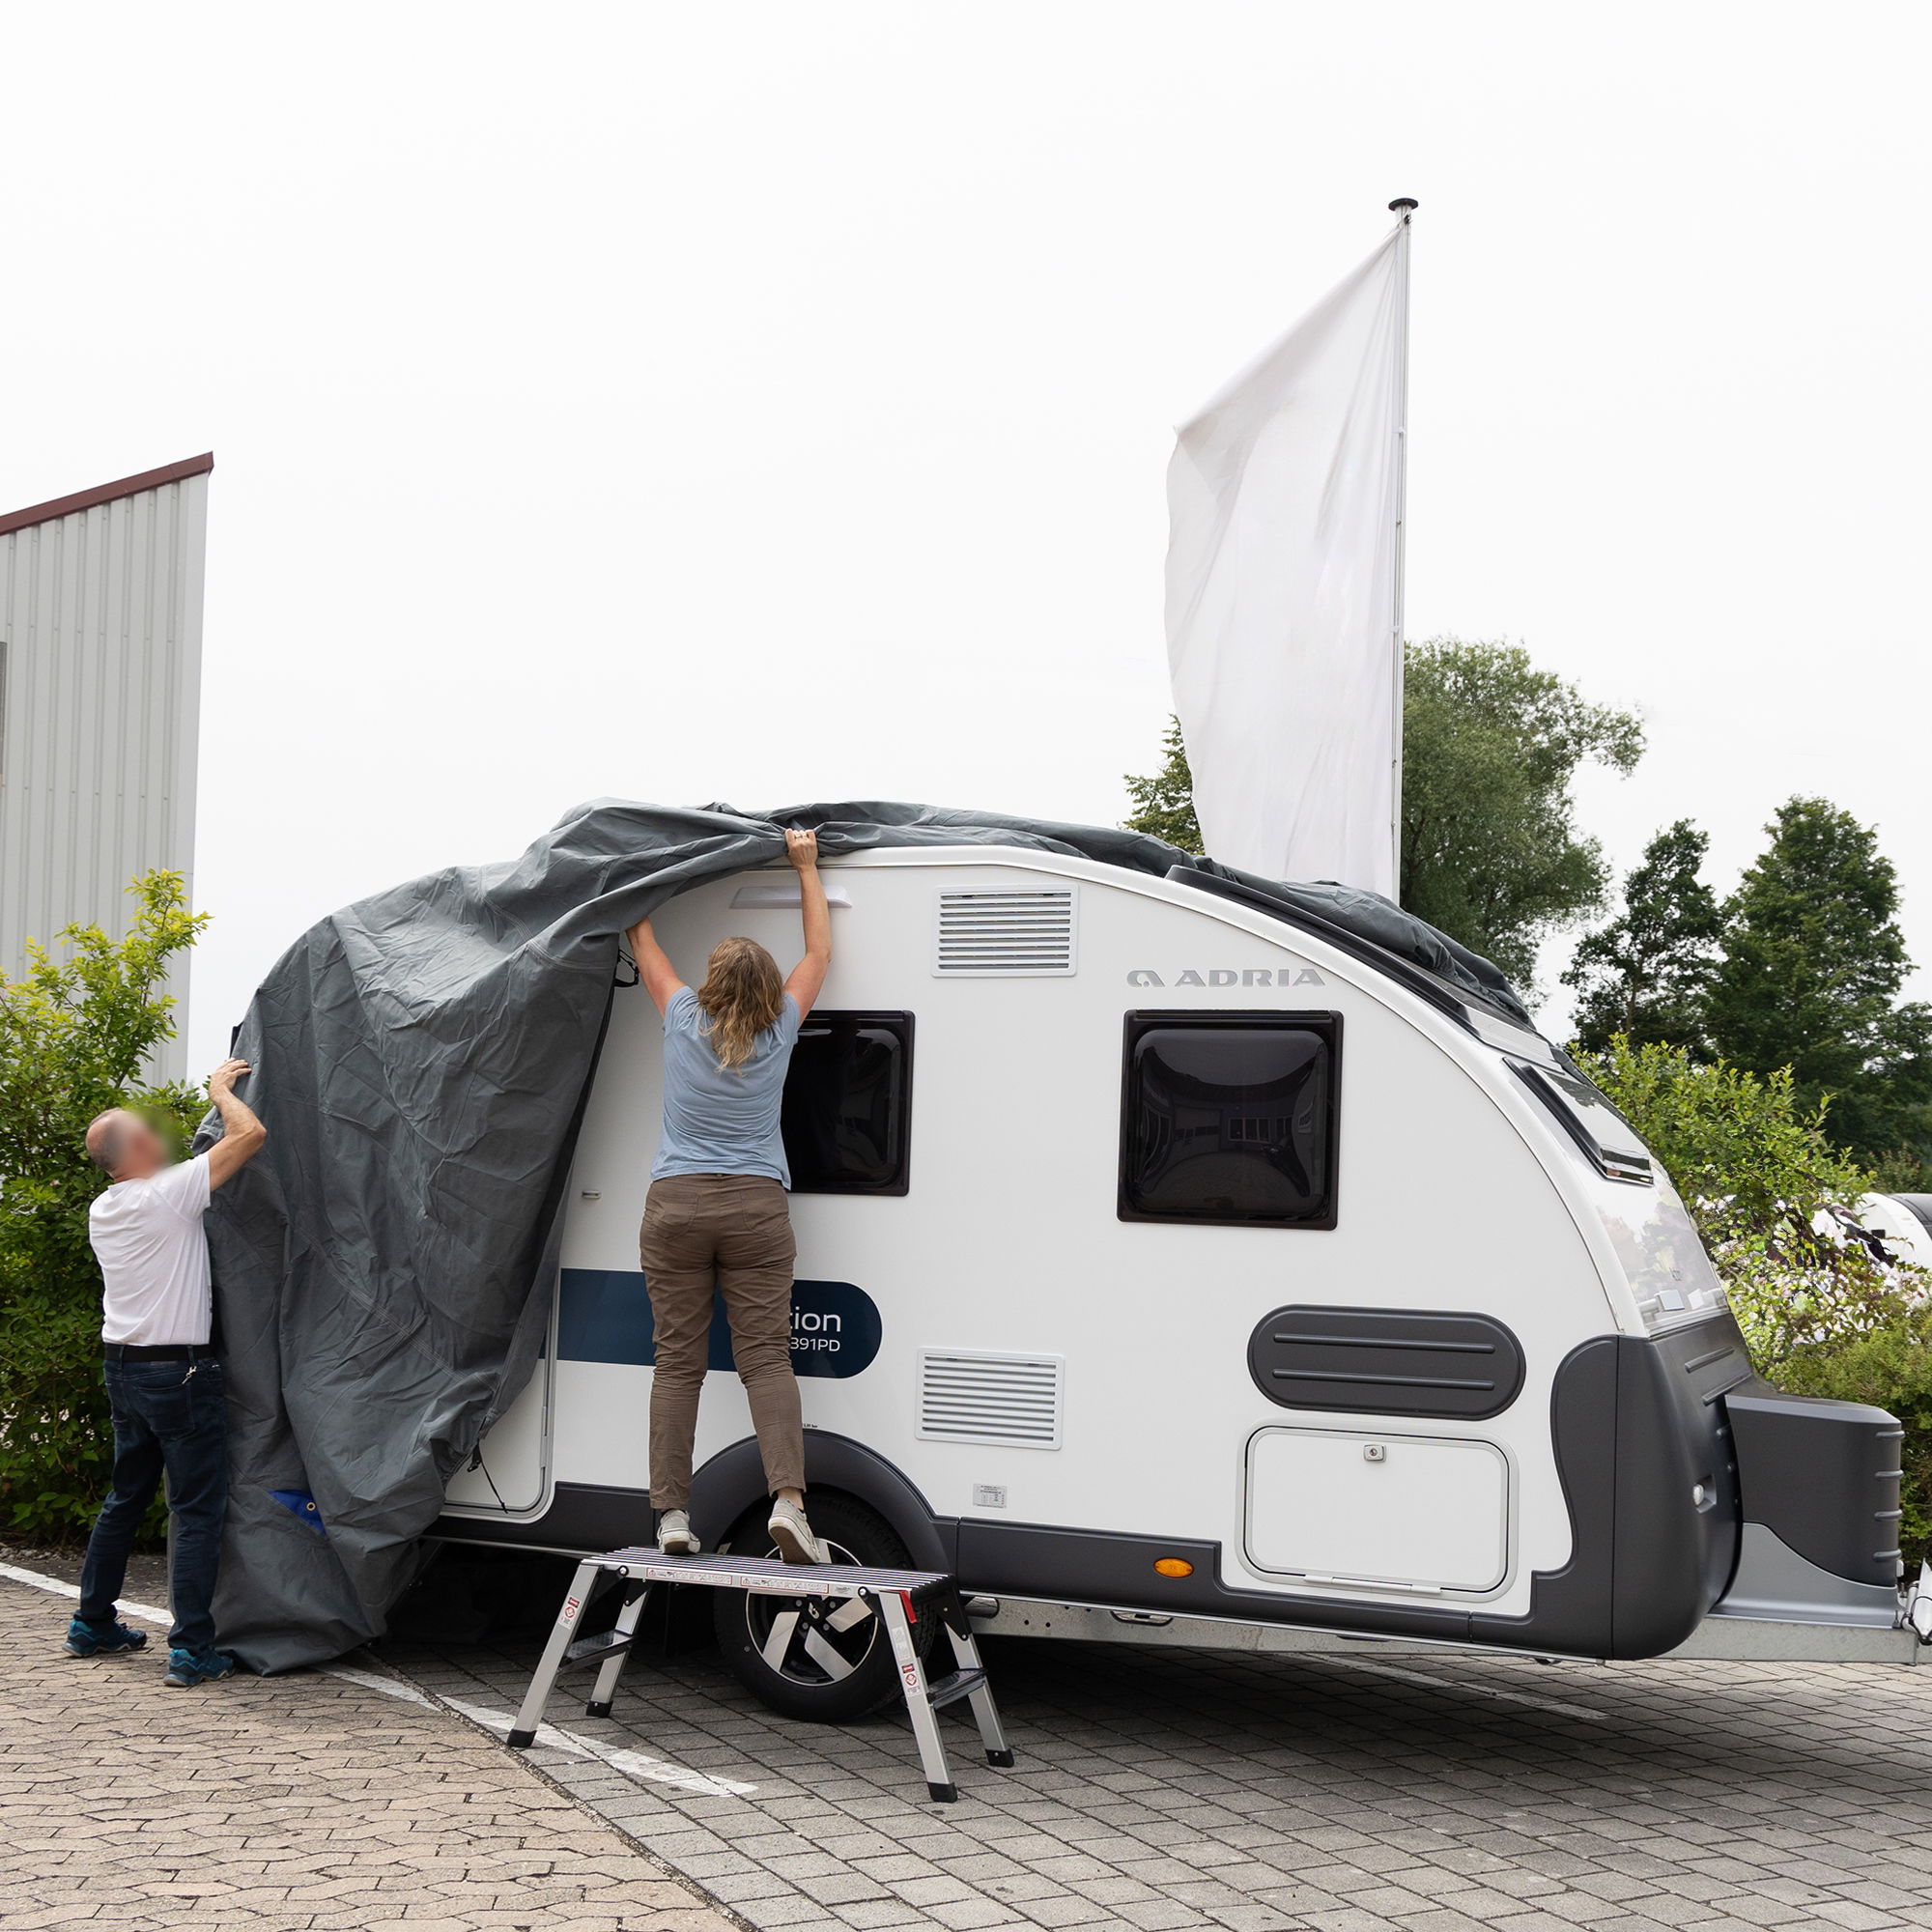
<point>892,1594</point>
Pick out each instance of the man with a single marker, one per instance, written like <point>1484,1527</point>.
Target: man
<point>164,1379</point>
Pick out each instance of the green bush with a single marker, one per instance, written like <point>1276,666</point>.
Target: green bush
<point>75,1035</point>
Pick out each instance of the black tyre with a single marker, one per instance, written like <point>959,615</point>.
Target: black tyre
<point>828,1660</point>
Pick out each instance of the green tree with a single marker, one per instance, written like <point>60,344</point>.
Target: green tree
<point>1812,967</point>
<point>1647,975</point>
<point>1491,854</point>
<point>1164,800</point>
<point>75,1035</point>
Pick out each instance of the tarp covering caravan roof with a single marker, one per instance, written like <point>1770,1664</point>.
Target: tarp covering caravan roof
<point>421,1062</point>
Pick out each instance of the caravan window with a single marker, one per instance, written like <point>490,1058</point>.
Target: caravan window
<point>846,1118</point>
<point>1230,1118</point>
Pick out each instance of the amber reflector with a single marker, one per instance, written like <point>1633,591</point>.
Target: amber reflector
<point>1174,1566</point>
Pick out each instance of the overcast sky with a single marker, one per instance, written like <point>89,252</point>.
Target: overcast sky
<point>772,402</point>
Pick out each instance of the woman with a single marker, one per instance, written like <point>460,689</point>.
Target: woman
<point>717,1211</point>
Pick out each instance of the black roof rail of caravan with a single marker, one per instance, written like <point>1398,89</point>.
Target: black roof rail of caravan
<point>1439,994</point>
<point>1920,1206</point>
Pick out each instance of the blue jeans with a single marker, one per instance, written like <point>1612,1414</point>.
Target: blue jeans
<point>165,1418</point>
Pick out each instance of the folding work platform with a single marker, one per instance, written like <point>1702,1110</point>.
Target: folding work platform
<point>893,1595</point>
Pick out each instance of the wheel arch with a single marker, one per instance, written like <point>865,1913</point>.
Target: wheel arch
<point>734,1481</point>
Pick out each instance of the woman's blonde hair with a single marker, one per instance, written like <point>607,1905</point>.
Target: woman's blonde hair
<point>742,995</point>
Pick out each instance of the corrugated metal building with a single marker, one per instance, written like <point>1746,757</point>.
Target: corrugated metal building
<point>99,703</point>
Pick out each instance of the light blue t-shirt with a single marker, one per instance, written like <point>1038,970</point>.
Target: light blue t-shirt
<point>720,1120</point>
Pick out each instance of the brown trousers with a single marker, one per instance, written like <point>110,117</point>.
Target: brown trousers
<point>731,1232</point>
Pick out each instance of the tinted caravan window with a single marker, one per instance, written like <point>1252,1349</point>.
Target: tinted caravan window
<point>847,1116</point>
<point>1230,1118</point>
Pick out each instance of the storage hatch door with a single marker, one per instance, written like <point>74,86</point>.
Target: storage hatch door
<point>1415,1511</point>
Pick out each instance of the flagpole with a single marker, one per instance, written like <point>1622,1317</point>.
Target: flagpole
<point>1402,208</point>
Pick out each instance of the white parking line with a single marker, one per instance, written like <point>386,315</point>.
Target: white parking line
<point>147,1613</point>
<point>389,1687</point>
<point>142,1614</point>
<point>633,1764</point>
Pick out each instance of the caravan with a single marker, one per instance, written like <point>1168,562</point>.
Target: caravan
<point>1179,1264</point>
<point>1895,1226</point>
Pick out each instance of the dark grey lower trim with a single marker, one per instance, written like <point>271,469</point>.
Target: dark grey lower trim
<point>1637,1444</point>
<point>1114,1571</point>
<point>583,1519</point>
<point>1634,1439</point>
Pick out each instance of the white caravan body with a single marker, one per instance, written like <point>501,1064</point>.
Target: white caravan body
<point>1901,1224</point>
<point>1463,1373</point>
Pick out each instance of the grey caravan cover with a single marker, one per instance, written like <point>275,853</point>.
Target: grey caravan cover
<point>421,1062</point>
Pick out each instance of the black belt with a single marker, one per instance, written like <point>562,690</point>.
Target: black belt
<point>167,1352</point>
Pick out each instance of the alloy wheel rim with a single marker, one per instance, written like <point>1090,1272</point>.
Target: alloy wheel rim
<point>815,1642</point>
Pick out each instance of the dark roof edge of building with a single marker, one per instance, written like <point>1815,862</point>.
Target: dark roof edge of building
<point>106,492</point>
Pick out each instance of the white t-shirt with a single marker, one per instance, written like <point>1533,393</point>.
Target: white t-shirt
<point>153,1252</point>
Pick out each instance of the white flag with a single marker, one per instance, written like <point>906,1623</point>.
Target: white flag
<point>1283,593</point>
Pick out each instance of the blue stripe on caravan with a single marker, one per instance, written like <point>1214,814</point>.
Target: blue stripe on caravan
<point>603,1315</point>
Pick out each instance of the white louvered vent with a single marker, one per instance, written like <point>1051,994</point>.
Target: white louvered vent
<point>974,1398</point>
<point>1017,932</point>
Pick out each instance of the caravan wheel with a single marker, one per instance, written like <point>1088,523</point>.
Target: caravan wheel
<point>824,1660</point>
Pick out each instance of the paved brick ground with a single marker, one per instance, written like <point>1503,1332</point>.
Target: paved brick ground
<point>303,1801</point>
<point>1155,1790</point>
<point>1163,1789</point>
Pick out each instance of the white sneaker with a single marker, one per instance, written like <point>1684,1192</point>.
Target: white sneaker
<point>675,1536</point>
<point>792,1534</point>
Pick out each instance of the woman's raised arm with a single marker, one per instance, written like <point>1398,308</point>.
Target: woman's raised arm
<point>654,967</point>
<point>808,976</point>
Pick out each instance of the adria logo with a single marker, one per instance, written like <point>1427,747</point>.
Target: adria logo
<point>1231,976</point>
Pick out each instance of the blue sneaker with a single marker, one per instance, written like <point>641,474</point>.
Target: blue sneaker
<point>99,1639</point>
<point>188,1667</point>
